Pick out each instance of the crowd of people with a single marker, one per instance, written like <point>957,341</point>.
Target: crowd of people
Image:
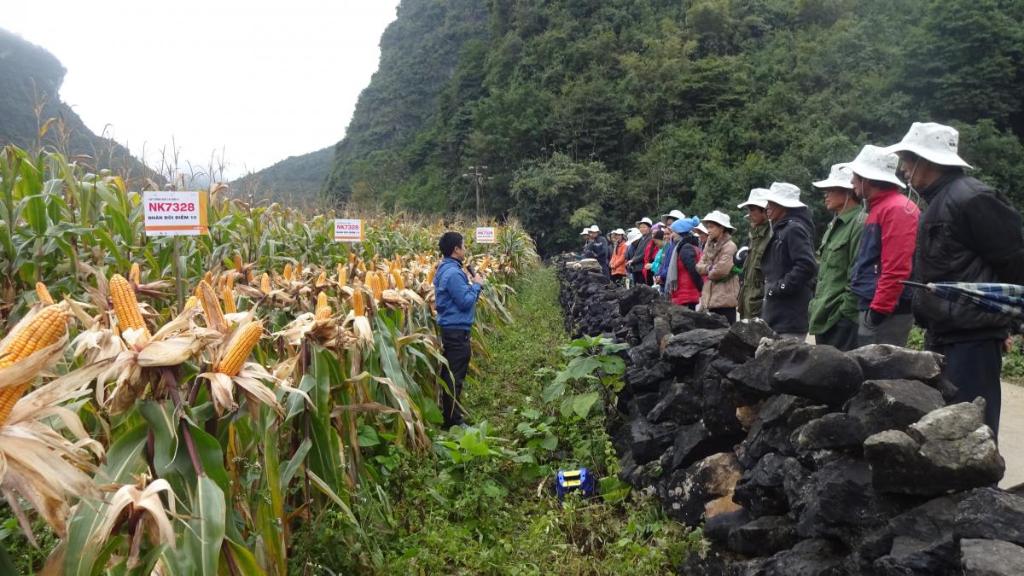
<point>848,291</point>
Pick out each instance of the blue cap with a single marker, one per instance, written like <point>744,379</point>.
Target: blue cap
<point>685,225</point>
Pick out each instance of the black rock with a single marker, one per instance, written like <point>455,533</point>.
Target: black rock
<point>682,319</point>
<point>740,344</point>
<point>990,513</point>
<point>695,442</point>
<point>718,407</point>
<point>808,558</point>
<point>636,295</point>
<point>685,492</point>
<point>647,441</point>
<point>761,488</point>
<point>717,528</point>
<point>991,558</point>
<point>836,430</point>
<point>763,536</point>
<point>684,347</point>
<point>710,564</point>
<point>949,449</point>
<point>838,502</point>
<point>820,373</point>
<point>921,538</point>
<point>777,419</point>
<point>888,362</point>
<point>723,366</point>
<point>892,404</point>
<point>647,377</point>
<point>642,404</point>
<point>680,404</point>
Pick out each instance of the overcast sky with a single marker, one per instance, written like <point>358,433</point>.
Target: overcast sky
<point>260,80</point>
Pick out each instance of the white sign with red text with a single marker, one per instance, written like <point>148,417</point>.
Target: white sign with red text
<point>348,230</point>
<point>175,213</point>
<point>486,235</point>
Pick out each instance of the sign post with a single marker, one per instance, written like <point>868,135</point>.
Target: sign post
<point>348,230</point>
<point>486,235</point>
<point>170,213</point>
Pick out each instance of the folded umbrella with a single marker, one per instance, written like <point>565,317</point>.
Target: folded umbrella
<point>992,297</point>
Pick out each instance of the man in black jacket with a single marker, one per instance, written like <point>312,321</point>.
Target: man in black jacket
<point>968,233</point>
<point>635,265</point>
<point>597,248</point>
<point>788,263</point>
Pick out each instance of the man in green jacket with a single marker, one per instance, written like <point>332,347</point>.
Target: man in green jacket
<point>752,290</point>
<point>833,311</point>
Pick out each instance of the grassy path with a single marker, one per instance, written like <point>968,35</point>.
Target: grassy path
<point>495,513</point>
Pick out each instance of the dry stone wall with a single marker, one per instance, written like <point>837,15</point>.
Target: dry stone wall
<point>798,460</point>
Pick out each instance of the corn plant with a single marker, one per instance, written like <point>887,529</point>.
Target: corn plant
<point>199,398</point>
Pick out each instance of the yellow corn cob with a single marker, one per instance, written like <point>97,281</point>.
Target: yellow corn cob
<point>323,307</point>
<point>228,296</point>
<point>298,271</point>
<point>396,277</point>
<point>48,327</point>
<point>125,305</point>
<point>43,294</point>
<point>342,275</point>
<point>288,272</point>
<point>229,282</point>
<point>191,303</point>
<point>321,280</point>
<point>135,274</point>
<point>430,275</point>
<point>211,307</point>
<point>357,303</point>
<point>265,283</point>
<point>208,277</point>
<point>250,276</point>
<point>239,349</point>
<point>238,262</point>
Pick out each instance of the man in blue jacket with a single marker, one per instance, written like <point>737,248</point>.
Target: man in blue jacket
<point>455,297</point>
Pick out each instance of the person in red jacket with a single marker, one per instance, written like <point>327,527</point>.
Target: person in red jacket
<point>886,254</point>
<point>684,284</point>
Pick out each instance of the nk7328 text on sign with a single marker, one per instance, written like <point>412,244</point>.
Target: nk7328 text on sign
<point>348,230</point>
<point>175,213</point>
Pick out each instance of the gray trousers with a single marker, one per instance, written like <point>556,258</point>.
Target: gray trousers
<point>894,330</point>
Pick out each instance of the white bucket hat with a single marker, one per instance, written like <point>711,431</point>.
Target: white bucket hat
<point>935,143</point>
<point>701,228</point>
<point>757,198</point>
<point>618,231</point>
<point>720,218</point>
<point>633,236</point>
<point>594,228</point>
<point>645,220</point>
<point>677,214</point>
<point>875,163</point>
<point>784,194</point>
<point>840,176</point>
<point>585,232</point>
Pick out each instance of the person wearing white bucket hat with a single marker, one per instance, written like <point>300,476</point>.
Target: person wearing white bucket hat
<point>788,263</point>
<point>968,233</point>
<point>752,285</point>
<point>617,262</point>
<point>671,217</point>
<point>635,256</point>
<point>833,315</point>
<point>597,248</point>
<point>720,293</point>
<point>886,253</point>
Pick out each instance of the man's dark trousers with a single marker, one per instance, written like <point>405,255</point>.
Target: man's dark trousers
<point>974,368</point>
<point>457,351</point>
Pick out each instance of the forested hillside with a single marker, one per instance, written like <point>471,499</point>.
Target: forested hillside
<point>296,178</point>
<point>602,110</point>
<point>30,80</point>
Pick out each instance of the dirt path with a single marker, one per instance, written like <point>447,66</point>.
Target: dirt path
<point>1011,434</point>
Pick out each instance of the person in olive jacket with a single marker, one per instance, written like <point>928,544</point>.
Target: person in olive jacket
<point>833,311</point>
<point>788,264</point>
<point>752,288</point>
<point>968,233</point>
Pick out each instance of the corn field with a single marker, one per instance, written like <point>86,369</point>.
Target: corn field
<point>179,406</point>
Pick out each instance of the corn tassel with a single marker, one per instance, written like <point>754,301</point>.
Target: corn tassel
<point>122,295</point>
<point>211,307</point>
<point>43,294</point>
<point>229,300</point>
<point>323,307</point>
<point>265,283</point>
<point>46,329</point>
<point>239,349</point>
